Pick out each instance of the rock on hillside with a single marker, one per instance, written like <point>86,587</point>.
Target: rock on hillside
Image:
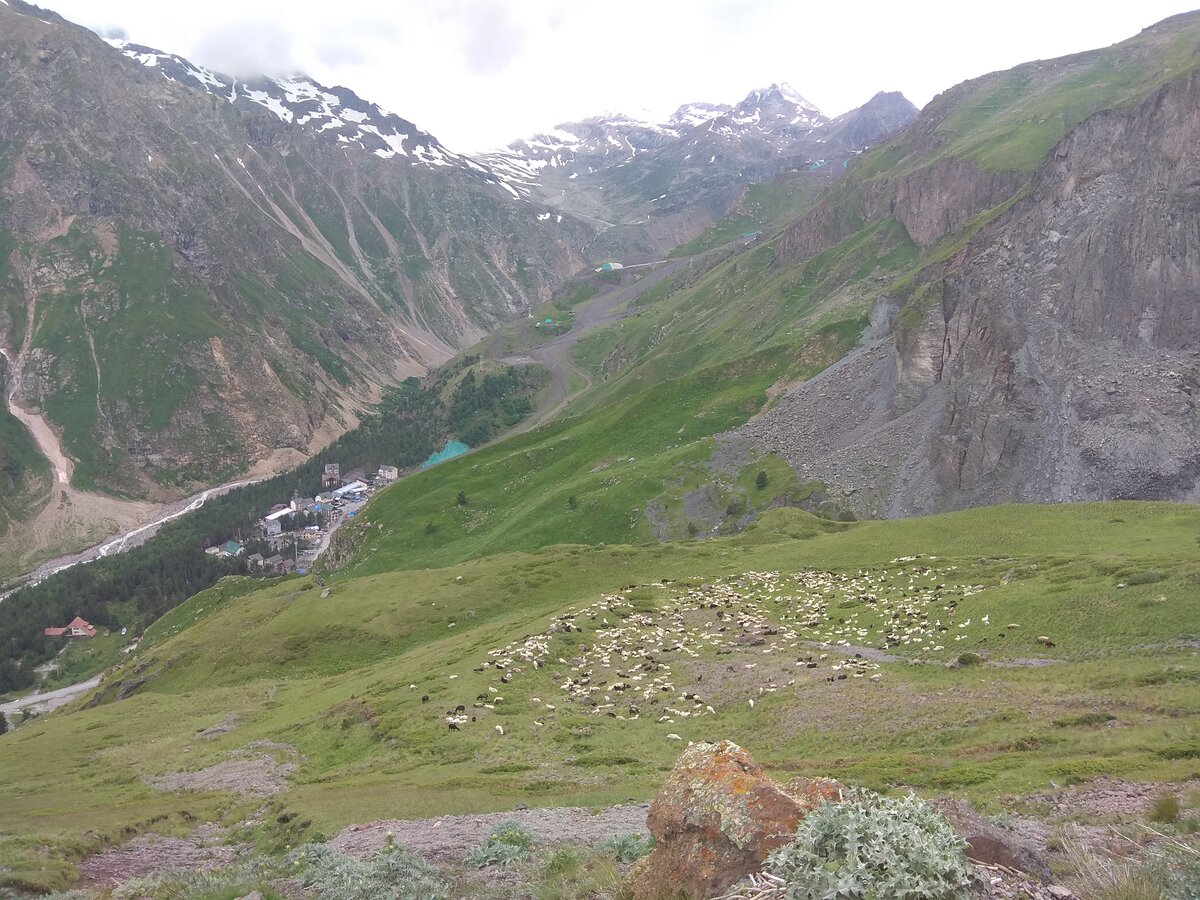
<point>715,820</point>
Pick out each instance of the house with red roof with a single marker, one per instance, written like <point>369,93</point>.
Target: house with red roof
<point>77,628</point>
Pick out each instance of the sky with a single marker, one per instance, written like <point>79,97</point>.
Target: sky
<point>481,73</point>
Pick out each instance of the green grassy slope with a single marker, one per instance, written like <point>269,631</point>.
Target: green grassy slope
<point>1011,120</point>
<point>764,207</point>
<point>24,472</point>
<point>695,356</point>
<point>339,679</point>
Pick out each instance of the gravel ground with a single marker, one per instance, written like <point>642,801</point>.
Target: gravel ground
<point>253,771</point>
<point>1105,798</point>
<point>449,837</point>
<point>848,428</point>
<point>149,853</point>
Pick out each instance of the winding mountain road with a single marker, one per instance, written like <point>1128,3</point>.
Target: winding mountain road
<point>48,700</point>
<point>555,354</point>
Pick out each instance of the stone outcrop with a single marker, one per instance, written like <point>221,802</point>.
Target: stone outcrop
<point>715,820</point>
<point>991,845</point>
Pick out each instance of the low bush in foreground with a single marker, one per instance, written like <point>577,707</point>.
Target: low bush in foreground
<point>508,843</point>
<point>871,847</point>
<point>391,872</point>
<point>626,848</point>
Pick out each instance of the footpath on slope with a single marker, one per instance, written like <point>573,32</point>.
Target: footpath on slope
<point>603,309</point>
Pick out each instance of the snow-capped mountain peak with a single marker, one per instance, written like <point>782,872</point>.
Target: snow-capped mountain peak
<point>336,113</point>
<point>690,115</point>
<point>779,105</point>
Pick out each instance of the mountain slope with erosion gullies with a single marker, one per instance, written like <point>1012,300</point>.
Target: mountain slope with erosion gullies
<point>193,285</point>
<point>1048,346</point>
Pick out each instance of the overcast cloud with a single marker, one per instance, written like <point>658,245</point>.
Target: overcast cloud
<point>480,73</point>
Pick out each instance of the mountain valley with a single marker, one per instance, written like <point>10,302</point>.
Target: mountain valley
<point>869,442</point>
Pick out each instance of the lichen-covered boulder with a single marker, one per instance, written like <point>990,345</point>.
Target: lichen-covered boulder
<point>716,819</point>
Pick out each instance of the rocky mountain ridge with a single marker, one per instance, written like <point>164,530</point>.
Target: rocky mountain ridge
<point>336,112</point>
<point>1049,348</point>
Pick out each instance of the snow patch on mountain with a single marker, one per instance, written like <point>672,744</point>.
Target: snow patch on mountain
<point>336,113</point>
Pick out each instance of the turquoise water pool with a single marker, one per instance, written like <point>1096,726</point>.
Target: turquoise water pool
<point>451,450</point>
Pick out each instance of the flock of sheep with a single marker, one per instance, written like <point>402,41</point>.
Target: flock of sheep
<point>623,655</point>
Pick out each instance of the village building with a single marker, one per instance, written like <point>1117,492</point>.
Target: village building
<point>388,473</point>
<point>254,560</point>
<point>353,487</point>
<point>273,563</point>
<point>77,628</point>
<point>332,476</point>
<point>272,523</point>
<point>354,476</point>
<point>231,548</point>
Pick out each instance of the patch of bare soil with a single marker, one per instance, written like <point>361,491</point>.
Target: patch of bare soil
<point>447,838</point>
<point>255,770</point>
<point>225,726</point>
<point>150,852</point>
<point>1109,799</point>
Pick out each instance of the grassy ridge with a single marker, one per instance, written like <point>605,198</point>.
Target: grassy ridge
<point>330,677</point>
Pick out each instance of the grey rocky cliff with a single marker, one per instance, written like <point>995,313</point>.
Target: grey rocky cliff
<point>1055,357</point>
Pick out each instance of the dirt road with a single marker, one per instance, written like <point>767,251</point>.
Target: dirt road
<point>41,703</point>
<point>555,354</point>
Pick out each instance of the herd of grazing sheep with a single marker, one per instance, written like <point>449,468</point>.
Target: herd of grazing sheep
<point>622,655</point>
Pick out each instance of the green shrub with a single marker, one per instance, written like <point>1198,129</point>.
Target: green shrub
<point>513,834</point>
<point>871,848</point>
<point>626,848</point>
<point>392,872</point>
<point>1148,577</point>
<point>1165,809</point>
<point>970,659</point>
<point>1181,751</point>
<point>494,855</point>
<point>563,862</point>
<point>1092,718</point>
<point>507,844</point>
